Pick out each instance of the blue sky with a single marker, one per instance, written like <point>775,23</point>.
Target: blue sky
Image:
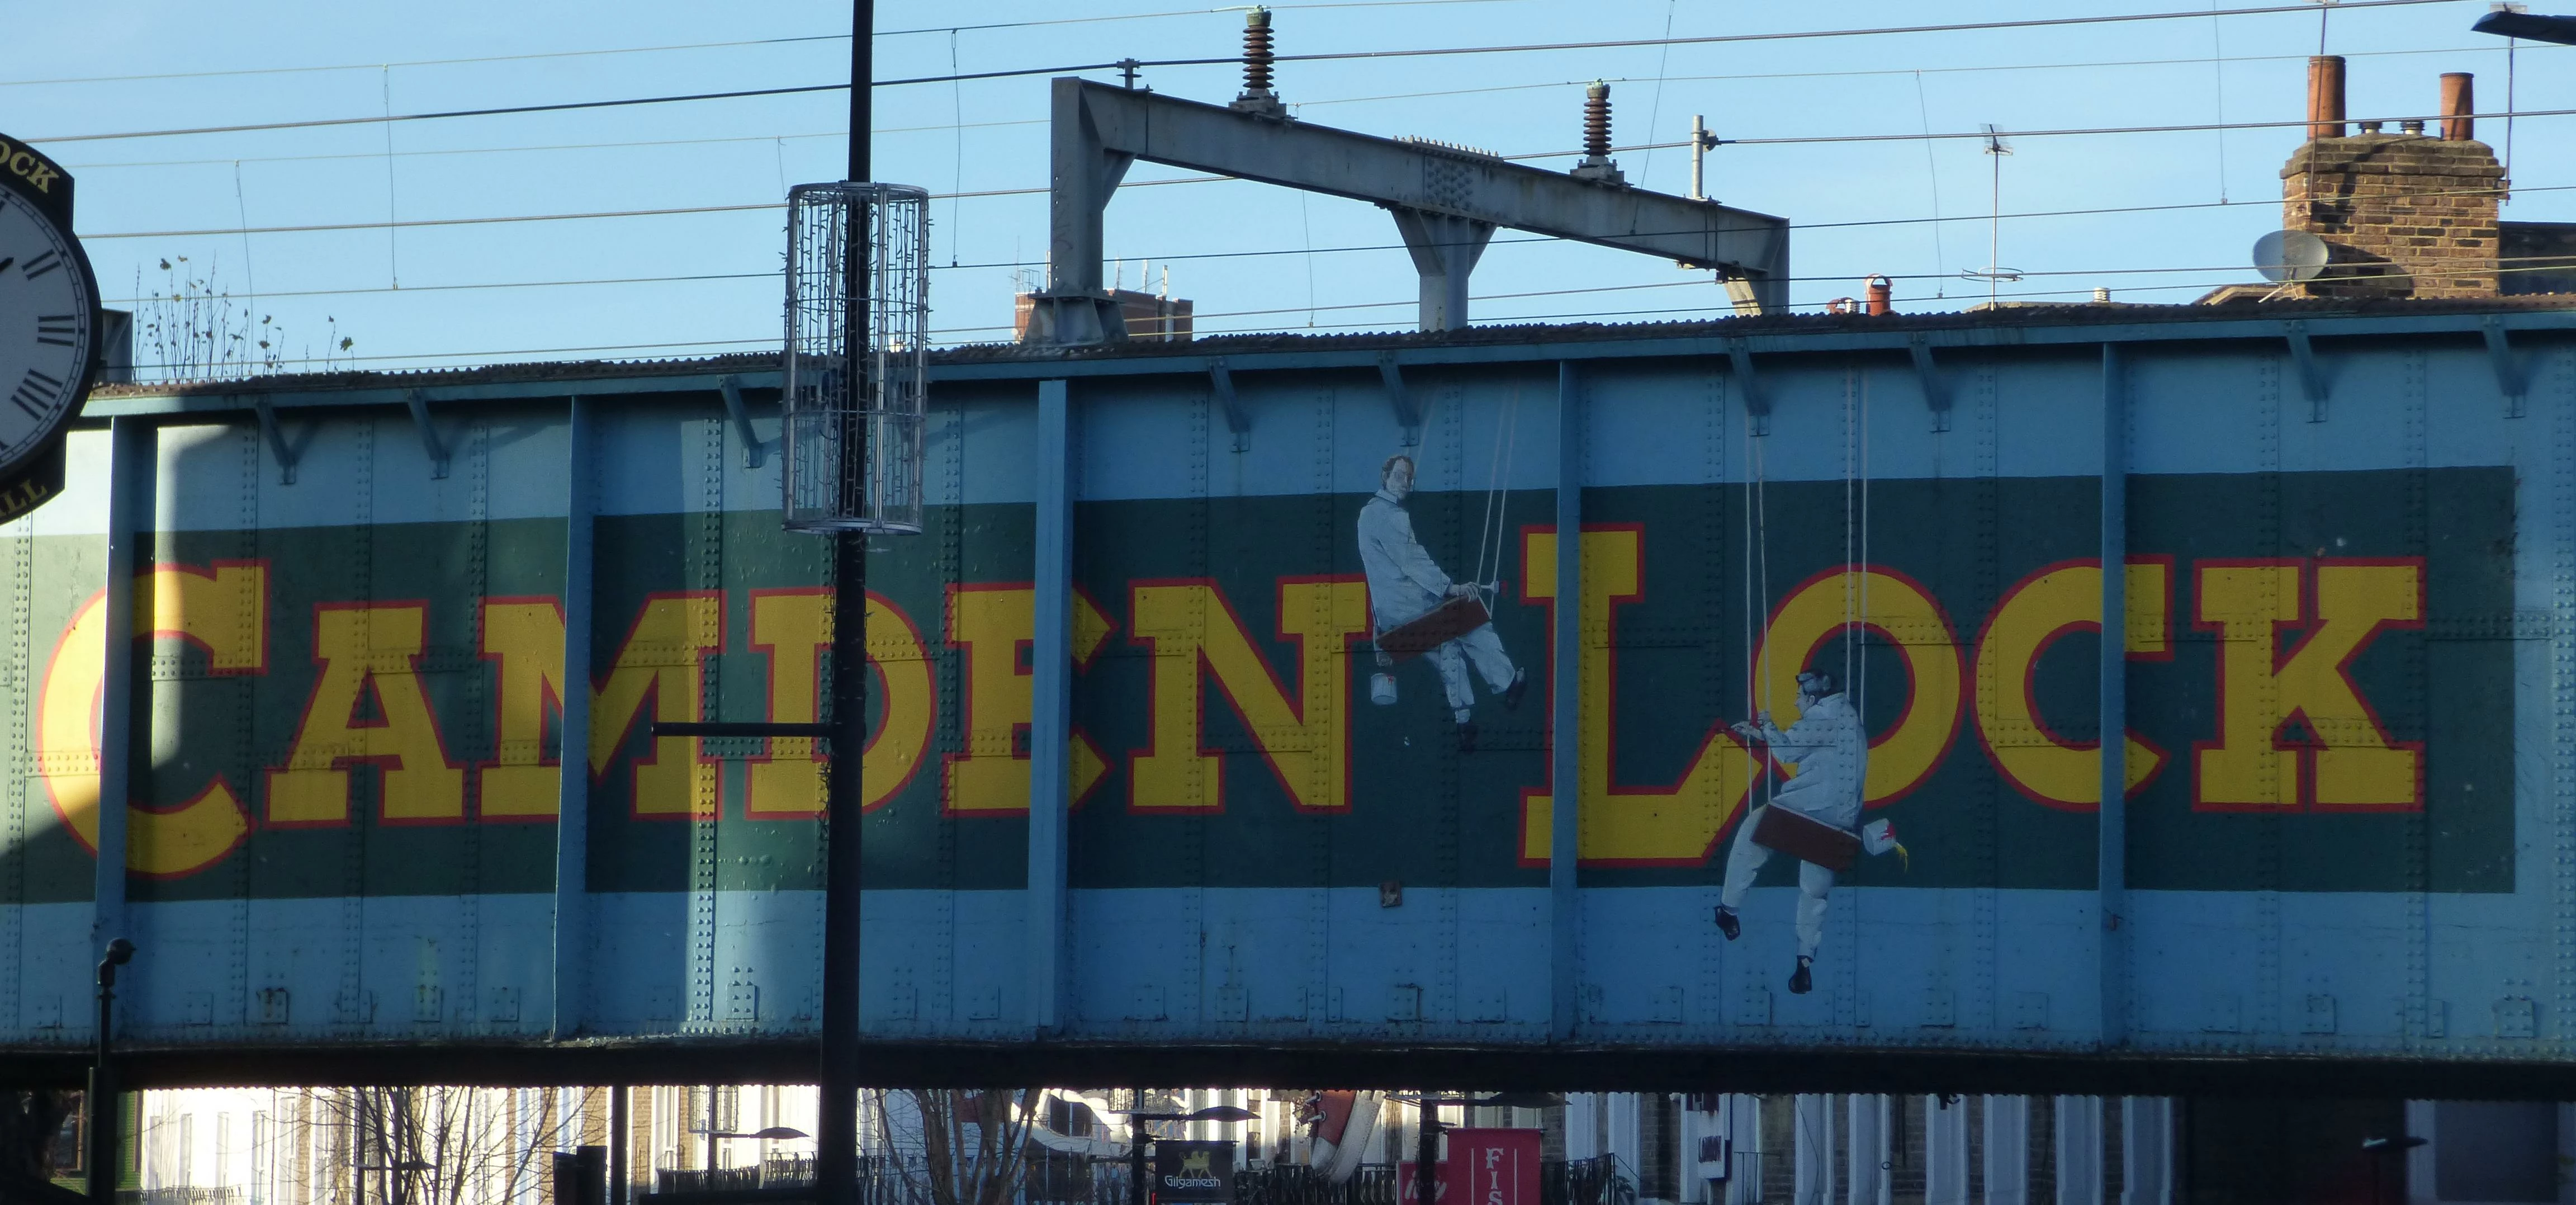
<point>990,136</point>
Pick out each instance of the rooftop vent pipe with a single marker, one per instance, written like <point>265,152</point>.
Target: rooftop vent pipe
<point>2458,102</point>
<point>2325,96</point>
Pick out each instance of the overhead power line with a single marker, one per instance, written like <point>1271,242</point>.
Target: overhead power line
<point>1877,31</point>
<point>234,231</point>
<point>501,111</point>
<point>408,223</point>
<point>946,127</point>
<point>1326,56</point>
<point>680,46</point>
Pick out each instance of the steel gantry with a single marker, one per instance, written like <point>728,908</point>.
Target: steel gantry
<point>1447,202</point>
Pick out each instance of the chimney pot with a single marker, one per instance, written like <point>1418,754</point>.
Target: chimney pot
<point>2458,102</point>
<point>1880,293</point>
<point>2325,96</point>
<point>2372,127</point>
<point>2412,125</point>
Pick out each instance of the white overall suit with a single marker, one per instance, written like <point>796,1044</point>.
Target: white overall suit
<point>1830,750</point>
<point>1404,584</point>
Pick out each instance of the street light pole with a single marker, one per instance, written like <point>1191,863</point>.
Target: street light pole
<point>836,1148</point>
<point>101,1099</point>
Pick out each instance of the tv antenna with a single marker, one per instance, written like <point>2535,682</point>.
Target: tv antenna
<point>1993,273</point>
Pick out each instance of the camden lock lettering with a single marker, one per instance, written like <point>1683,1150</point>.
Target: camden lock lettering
<point>2288,726</point>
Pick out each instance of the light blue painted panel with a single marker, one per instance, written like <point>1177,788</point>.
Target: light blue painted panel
<point>2451,974</point>
<point>81,509</point>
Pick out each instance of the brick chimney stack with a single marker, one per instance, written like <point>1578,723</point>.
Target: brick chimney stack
<point>2404,215</point>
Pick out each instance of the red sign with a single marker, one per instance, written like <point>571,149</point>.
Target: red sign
<point>1495,1167</point>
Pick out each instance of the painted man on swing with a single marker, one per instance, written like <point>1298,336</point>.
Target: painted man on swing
<point>1415,608</point>
<point>1813,817</point>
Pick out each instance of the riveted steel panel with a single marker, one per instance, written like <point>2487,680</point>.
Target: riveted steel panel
<point>2351,702</point>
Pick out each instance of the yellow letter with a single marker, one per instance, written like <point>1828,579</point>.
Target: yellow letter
<point>1307,744</point>
<point>2351,762</point>
<point>993,623</point>
<point>1900,610</point>
<point>1630,826</point>
<point>362,647</point>
<point>794,627</point>
<point>2034,613</point>
<point>671,637</point>
<point>224,612</point>
<point>526,636</point>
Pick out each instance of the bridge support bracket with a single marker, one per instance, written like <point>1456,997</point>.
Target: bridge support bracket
<point>1936,397</point>
<point>731,388</point>
<point>418,402</point>
<point>285,453</point>
<point>1755,405</point>
<point>2508,371</point>
<point>1237,419</point>
<point>2312,379</point>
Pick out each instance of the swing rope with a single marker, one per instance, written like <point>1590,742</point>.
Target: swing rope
<point>1489,544</point>
<point>1757,588</point>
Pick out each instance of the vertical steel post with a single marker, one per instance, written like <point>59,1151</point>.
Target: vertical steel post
<point>130,474</point>
<point>1565,738</point>
<point>101,1098</point>
<point>1426,1154</point>
<point>1136,1159</point>
<point>620,1138</point>
<point>1051,705</point>
<point>836,1115</point>
<point>2111,834</point>
<point>572,819</point>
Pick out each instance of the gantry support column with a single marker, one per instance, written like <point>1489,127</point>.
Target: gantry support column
<point>1445,250</point>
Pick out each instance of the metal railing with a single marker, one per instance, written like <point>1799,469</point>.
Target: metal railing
<point>192,1195</point>
<point>1062,1179</point>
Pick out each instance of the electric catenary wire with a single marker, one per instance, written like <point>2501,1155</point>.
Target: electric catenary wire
<point>1326,56</point>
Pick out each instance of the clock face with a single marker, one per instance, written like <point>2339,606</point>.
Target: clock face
<point>48,309</point>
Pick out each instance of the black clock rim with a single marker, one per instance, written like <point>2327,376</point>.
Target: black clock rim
<point>93,363</point>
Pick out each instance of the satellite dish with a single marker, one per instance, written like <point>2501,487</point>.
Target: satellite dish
<point>2284,256</point>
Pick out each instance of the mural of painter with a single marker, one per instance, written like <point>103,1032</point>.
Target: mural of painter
<point>1813,817</point>
<point>1415,609</point>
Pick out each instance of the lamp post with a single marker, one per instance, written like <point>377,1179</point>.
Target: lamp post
<point>1137,1139</point>
<point>1426,1145</point>
<point>101,1097</point>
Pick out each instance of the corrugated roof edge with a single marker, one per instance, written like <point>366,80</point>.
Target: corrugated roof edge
<point>2015,317</point>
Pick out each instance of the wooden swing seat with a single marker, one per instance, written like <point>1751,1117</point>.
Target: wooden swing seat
<point>1450,620</point>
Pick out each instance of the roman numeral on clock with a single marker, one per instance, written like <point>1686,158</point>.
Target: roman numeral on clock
<point>41,264</point>
<point>56,329</point>
<point>36,394</point>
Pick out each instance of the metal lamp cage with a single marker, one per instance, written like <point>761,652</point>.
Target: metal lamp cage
<point>858,358</point>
